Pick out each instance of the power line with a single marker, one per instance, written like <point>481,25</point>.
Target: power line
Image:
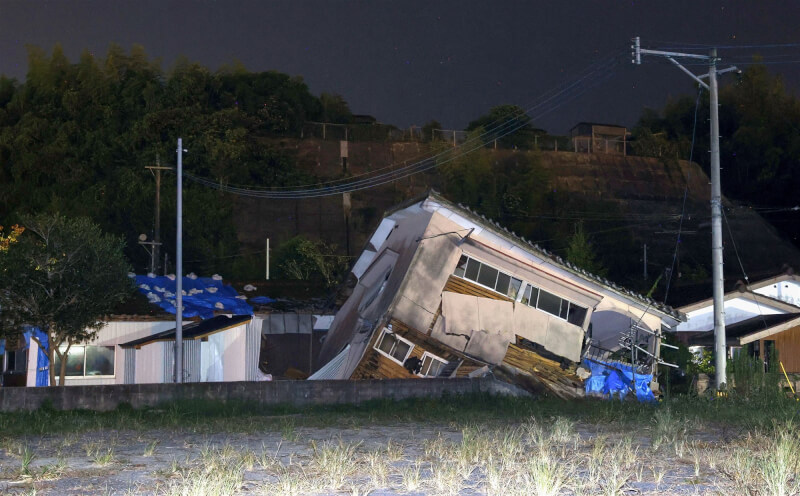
<point>685,194</point>
<point>426,164</point>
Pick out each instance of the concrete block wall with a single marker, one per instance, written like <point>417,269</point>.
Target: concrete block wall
<point>291,393</point>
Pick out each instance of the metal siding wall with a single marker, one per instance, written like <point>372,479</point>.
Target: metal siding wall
<point>191,360</point>
<point>168,361</point>
<point>253,348</point>
<point>130,366</point>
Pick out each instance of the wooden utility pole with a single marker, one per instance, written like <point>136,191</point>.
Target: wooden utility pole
<point>156,169</point>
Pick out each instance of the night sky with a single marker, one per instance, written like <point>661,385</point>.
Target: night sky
<point>406,62</point>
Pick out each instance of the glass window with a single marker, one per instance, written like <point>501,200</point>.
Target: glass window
<point>85,361</point>
<point>461,268</point>
<point>472,269</point>
<point>387,342</point>
<point>577,314</point>
<point>75,361</point>
<point>17,361</point>
<point>549,303</point>
<point>487,276</point>
<point>513,288</point>
<point>394,346</point>
<point>526,298</point>
<point>431,365</point>
<point>99,360</point>
<point>564,309</point>
<point>502,283</point>
<point>401,350</point>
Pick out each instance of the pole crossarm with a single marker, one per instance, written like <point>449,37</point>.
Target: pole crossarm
<point>645,51</point>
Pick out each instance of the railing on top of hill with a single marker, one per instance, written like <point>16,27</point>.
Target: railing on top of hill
<point>374,131</point>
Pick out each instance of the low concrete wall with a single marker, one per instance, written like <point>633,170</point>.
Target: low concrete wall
<point>292,393</point>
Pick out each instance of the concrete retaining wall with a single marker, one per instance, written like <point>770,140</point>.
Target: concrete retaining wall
<point>292,393</point>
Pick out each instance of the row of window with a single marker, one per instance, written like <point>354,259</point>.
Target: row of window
<point>497,280</point>
<point>488,276</point>
<point>399,349</point>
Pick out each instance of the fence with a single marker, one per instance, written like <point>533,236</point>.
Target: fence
<point>272,393</point>
<point>374,131</point>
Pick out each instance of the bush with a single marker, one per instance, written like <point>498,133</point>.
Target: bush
<point>306,260</point>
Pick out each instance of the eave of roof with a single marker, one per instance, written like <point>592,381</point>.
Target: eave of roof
<point>540,252</point>
<point>750,330</point>
<point>741,293</point>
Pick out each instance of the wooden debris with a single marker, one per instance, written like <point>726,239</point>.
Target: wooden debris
<point>535,373</point>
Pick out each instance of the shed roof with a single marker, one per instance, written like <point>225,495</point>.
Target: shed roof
<point>194,330</point>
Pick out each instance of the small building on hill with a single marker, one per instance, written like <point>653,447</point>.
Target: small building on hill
<point>589,137</point>
<point>444,292</point>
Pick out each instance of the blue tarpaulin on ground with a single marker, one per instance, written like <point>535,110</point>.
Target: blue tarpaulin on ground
<point>42,360</point>
<point>201,295</point>
<point>613,379</point>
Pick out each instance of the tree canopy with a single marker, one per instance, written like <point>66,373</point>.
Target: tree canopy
<point>510,125</point>
<point>61,275</point>
<point>75,138</point>
<point>759,122</point>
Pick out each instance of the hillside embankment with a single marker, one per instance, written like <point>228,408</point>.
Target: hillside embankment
<point>638,199</point>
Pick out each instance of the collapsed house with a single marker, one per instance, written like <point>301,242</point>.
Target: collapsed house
<point>444,292</point>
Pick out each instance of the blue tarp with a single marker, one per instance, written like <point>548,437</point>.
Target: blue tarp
<point>201,295</point>
<point>42,360</point>
<point>262,300</point>
<point>613,379</point>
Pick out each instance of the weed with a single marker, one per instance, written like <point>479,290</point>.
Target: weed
<point>394,451</point>
<point>334,460</point>
<point>289,430</point>
<point>445,478</point>
<point>103,457</point>
<point>150,449</point>
<point>27,457</point>
<point>377,468</point>
<point>411,476</point>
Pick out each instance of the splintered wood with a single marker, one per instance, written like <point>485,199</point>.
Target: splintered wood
<point>535,373</point>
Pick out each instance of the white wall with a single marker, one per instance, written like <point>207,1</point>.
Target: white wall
<point>736,310</point>
<point>788,291</point>
<point>112,334</point>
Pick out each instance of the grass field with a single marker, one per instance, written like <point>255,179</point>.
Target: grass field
<point>455,445</point>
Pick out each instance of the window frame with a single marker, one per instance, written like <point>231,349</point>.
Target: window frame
<point>433,357</point>
<point>385,331</point>
<point>570,304</point>
<point>497,277</point>
<point>85,354</point>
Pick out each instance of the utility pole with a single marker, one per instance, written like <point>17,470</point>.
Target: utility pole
<point>645,262</point>
<point>720,349</point>
<point>157,227</point>
<point>179,271</point>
